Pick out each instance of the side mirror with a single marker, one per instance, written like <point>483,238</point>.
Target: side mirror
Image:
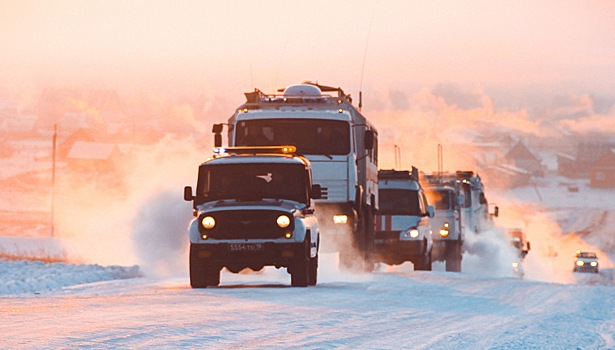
<point>430,211</point>
<point>217,130</point>
<point>369,139</point>
<point>496,211</point>
<point>316,192</point>
<point>528,246</point>
<point>188,196</point>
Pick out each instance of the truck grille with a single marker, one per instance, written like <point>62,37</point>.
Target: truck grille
<point>247,224</point>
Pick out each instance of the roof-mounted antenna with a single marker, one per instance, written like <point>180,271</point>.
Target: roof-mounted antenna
<point>369,31</point>
<point>440,163</point>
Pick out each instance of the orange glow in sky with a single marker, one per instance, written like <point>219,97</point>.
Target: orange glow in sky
<point>236,45</point>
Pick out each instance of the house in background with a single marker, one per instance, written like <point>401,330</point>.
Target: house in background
<point>506,176</point>
<point>523,157</point>
<point>93,157</point>
<point>602,171</point>
<point>578,166</point>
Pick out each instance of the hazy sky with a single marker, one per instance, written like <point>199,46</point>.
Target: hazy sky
<point>237,45</point>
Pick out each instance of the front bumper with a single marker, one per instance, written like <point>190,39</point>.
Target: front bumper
<point>250,254</point>
<point>391,249</point>
<point>586,268</point>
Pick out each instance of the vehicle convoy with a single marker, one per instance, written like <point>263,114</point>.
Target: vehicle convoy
<point>403,227</point>
<point>586,262</point>
<point>342,147</point>
<point>253,207</point>
<point>461,207</point>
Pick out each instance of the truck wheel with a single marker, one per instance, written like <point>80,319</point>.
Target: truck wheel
<point>301,269</point>
<point>300,273</point>
<point>313,274</point>
<point>423,264</point>
<point>453,257</point>
<point>201,275</point>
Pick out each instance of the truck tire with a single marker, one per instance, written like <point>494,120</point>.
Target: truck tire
<point>453,257</point>
<point>201,275</point>
<point>423,264</point>
<point>300,271</point>
<point>313,274</point>
<point>369,234</point>
<point>300,274</point>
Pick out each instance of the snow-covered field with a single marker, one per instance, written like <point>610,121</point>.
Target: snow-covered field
<point>73,305</point>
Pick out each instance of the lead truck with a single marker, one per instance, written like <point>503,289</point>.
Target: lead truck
<point>341,144</point>
<point>253,208</point>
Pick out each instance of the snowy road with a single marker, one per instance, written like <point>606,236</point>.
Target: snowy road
<point>398,308</point>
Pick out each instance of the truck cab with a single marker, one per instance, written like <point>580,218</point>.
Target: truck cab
<point>448,237</point>
<point>253,207</point>
<point>342,147</point>
<point>403,224</point>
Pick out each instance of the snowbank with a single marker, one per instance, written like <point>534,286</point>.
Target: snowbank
<point>33,277</point>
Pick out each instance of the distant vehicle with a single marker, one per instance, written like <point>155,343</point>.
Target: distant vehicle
<point>448,238</point>
<point>586,262</point>
<point>521,246</point>
<point>253,208</point>
<point>403,227</point>
<point>461,208</point>
<point>519,242</point>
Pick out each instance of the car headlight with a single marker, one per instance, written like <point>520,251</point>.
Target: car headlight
<point>208,222</point>
<point>340,219</point>
<point>444,232</point>
<point>580,263</point>
<point>594,263</point>
<point>413,233</point>
<point>515,265</point>
<point>283,221</point>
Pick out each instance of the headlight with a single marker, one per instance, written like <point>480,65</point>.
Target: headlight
<point>594,263</point>
<point>208,222</point>
<point>580,263</point>
<point>515,265</point>
<point>283,221</point>
<point>340,219</point>
<point>443,232</point>
<point>414,233</point>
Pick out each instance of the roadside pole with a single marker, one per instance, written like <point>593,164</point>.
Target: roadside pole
<point>53,179</point>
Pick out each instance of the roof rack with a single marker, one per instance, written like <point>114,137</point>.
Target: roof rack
<point>293,95</point>
<point>399,174</point>
<point>285,149</point>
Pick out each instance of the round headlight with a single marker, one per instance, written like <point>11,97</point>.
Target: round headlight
<point>283,221</point>
<point>593,263</point>
<point>208,222</point>
<point>580,262</point>
<point>443,232</point>
<point>414,233</point>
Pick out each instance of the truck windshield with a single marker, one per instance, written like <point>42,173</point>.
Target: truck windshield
<point>440,199</point>
<point>310,136</point>
<point>252,182</point>
<point>399,202</point>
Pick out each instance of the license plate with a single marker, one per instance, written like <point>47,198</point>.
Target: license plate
<point>246,247</point>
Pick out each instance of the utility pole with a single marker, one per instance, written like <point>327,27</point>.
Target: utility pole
<point>53,179</point>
